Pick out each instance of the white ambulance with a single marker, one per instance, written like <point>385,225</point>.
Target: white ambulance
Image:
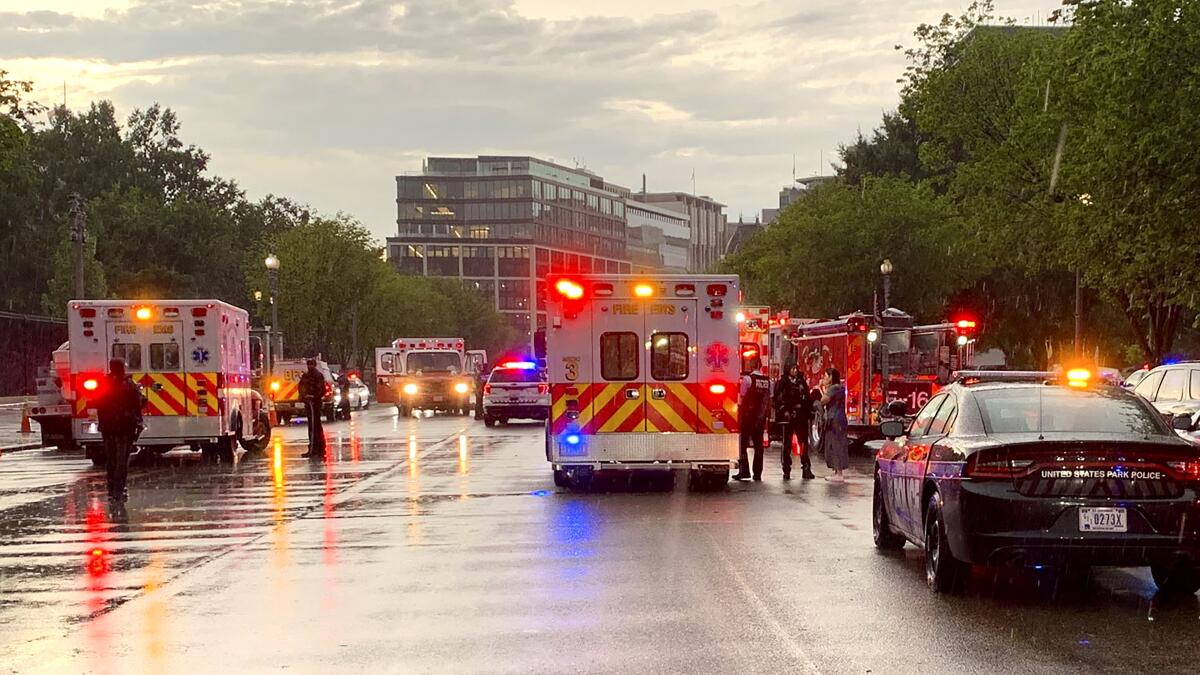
<point>643,374</point>
<point>191,359</point>
<point>390,362</point>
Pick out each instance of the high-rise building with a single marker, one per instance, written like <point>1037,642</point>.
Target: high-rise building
<point>706,218</point>
<point>663,233</point>
<point>501,224</point>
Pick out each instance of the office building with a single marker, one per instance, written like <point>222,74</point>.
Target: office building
<point>660,232</point>
<point>706,218</point>
<point>503,223</point>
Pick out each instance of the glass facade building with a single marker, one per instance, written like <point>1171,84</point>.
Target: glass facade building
<point>502,224</point>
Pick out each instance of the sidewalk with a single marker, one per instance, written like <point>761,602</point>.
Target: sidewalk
<point>11,437</point>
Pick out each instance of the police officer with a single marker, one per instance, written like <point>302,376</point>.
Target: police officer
<point>754,394</point>
<point>119,416</point>
<point>312,392</point>
<point>794,406</point>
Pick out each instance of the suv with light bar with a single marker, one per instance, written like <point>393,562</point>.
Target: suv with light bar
<point>1039,469</point>
<point>516,389</point>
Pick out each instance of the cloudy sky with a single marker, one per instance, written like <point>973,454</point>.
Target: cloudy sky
<point>326,101</point>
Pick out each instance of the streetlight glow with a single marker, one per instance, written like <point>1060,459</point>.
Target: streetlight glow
<point>885,267</point>
<point>271,262</point>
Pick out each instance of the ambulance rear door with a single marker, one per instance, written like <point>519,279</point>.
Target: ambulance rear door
<point>619,349</point>
<point>671,375</point>
<point>152,351</point>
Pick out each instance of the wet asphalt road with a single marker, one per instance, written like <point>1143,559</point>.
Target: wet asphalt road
<point>436,545</point>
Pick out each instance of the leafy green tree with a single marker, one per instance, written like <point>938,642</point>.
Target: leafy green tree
<point>821,256</point>
<point>892,150</point>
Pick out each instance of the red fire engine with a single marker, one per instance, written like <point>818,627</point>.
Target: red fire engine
<point>880,359</point>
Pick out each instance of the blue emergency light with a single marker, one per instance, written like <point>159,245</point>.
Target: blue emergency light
<point>521,365</point>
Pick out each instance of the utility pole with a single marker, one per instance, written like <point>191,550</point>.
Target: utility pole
<point>78,238</point>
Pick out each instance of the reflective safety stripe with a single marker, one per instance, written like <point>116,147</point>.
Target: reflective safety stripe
<point>288,391</point>
<point>202,395</point>
<point>677,412</point>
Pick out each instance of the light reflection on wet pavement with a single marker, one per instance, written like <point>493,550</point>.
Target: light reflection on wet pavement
<point>439,545</point>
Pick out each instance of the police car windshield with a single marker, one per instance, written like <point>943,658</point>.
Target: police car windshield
<point>515,375</point>
<point>1059,409</point>
<point>439,362</point>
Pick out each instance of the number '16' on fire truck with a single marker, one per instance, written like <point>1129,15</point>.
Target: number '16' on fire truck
<point>190,358</point>
<point>643,375</point>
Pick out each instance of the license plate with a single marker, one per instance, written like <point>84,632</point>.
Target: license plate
<point>1103,520</point>
<point>439,398</point>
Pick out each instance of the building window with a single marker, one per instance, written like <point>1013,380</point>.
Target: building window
<point>514,294</point>
<point>537,189</point>
<point>557,259</point>
<point>441,261</point>
<point>409,258</point>
<point>480,232</point>
<point>486,288</point>
<point>549,192</point>
<point>593,202</point>
<point>514,261</point>
<point>479,261</point>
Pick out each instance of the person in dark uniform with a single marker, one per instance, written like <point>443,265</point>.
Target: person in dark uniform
<point>119,416</point>
<point>794,406</point>
<point>312,392</point>
<point>754,394</point>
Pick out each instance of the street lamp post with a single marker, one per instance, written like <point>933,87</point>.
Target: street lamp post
<point>272,264</point>
<point>885,268</point>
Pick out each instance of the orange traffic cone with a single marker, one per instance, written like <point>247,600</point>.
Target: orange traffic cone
<point>26,428</point>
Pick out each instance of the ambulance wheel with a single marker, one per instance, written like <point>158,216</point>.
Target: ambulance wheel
<point>560,478</point>
<point>489,421</point>
<point>331,415</point>
<point>95,453</point>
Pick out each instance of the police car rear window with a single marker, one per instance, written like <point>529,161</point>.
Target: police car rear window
<point>619,356</point>
<point>1022,410</point>
<point>514,375</point>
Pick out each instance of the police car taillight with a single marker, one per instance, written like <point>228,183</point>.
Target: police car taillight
<point>543,388</point>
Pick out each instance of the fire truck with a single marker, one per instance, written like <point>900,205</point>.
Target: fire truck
<point>190,358</point>
<point>753,333</point>
<point>53,411</point>
<point>643,374</point>
<point>425,374</point>
<point>882,359</point>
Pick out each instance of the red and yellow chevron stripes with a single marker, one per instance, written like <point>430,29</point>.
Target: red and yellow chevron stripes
<point>171,395</point>
<point>289,390</point>
<point>613,411</point>
<point>604,408</point>
<point>676,412</point>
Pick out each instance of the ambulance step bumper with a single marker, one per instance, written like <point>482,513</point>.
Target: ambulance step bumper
<point>645,450</point>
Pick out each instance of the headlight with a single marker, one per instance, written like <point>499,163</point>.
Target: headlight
<point>410,388</point>
<point>462,387</point>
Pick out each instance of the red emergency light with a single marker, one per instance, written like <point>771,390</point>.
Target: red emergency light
<point>569,289</point>
<point>964,324</point>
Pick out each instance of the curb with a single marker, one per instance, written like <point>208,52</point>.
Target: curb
<point>27,446</point>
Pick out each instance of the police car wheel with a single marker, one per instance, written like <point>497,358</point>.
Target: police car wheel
<point>881,530</point>
<point>560,478</point>
<point>1180,578</point>
<point>489,421</point>
<point>943,572</point>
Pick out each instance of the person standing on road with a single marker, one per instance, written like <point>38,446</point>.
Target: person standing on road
<point>119,417</point>
<point>312,392</point>
<point>833,436</point>
<point>794,405</point>
<point>754,393</point>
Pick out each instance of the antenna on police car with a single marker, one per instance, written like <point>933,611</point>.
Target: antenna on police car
<point>1041,436</point>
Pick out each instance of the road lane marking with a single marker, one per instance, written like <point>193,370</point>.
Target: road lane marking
<point>804,664</point>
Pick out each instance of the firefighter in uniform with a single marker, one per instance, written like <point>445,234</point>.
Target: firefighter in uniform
<point>794,406</point>
<point>119,416</point>
<point>754,395</point>
<point>312,391</point>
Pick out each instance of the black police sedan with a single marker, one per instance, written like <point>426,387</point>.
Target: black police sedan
<point>1037,469</point>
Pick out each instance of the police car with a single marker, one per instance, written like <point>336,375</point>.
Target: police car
<point>515,389</point>
<point>1036,469</point>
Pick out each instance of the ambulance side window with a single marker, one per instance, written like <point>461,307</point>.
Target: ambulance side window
<point>131,354</point>
<point>669,356</point>
<point>619,356</point>
<point>164,356</point>
<point>386,363</point>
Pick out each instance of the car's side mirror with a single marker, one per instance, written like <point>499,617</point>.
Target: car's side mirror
<point>1182,422</point>
<point>892,429</point>
<point>897,408</point>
